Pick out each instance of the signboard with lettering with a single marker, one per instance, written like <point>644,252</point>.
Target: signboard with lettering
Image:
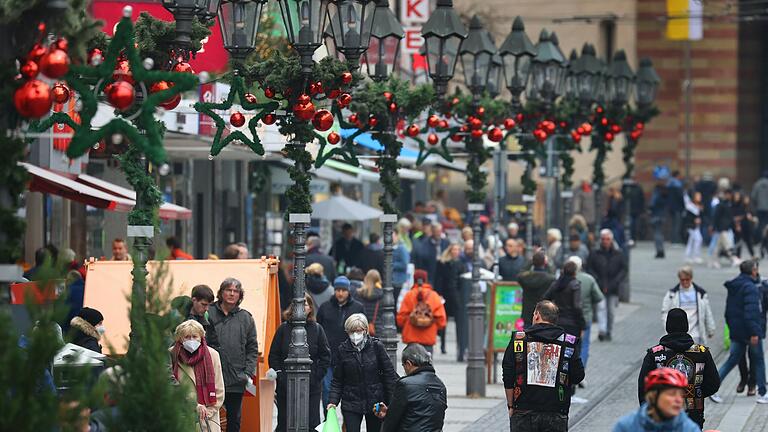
<point>413,14</point>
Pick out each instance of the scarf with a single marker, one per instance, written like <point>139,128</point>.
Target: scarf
<point>202,363</point>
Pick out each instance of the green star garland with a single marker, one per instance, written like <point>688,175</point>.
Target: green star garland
<point>88,81</point>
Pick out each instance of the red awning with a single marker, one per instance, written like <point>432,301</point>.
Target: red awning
<point>93,192</point>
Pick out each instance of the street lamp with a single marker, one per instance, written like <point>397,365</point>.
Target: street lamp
<point>239,21</point>
<point>184,11</point>
<point>571,88</point>
<point>476,54</point>
<point>304,22</point>
<point>587,76</point>
<point>647,84</point>
<point>495,76</point>
<point>516,53</point>
<point>443,34</point>
<point>384,46</point>
<point>348,33</point>
<point>547,70</point>
<point>620,80</point>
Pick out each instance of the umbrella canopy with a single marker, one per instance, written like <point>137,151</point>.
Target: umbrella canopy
<point>339,207</point>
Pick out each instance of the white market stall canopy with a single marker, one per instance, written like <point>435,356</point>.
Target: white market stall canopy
<point>339,207</point>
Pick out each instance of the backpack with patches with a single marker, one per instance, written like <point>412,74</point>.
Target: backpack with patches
<point>421,315</point>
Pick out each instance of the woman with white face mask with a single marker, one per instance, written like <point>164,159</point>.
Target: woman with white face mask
<point>363,377</point>
<point>197,365</point>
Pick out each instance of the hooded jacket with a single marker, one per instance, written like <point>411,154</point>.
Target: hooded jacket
<point>319,288</point>
<point>426,336</point>
<point>85,335</point>
<point>639,421</point>
<point>706,318</point>
<point>238,346</point>
<point>566,294</point>
<point>331,316</point>
<point>419,403</point>
<point>534,284</point>
<point>743,309</point>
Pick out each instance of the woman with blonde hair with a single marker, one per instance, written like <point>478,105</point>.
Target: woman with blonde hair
<point>370,295</point>
<point>194,363</point>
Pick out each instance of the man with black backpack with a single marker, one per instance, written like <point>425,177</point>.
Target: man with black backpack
<point>421,313</point>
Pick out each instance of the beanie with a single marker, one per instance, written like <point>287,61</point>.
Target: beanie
<point>677,321</point>
<point>92,316</point>
<point>419,275</point>
<point>341,282</point>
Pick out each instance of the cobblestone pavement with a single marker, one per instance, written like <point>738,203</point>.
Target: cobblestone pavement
<point>611,378</point>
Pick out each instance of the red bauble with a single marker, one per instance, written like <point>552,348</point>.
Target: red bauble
<point>319,87</point>
<point>540,135</point>
<point>62,44</point>
<point>334,93</point>
<point>456,138</point>
<point>171,103</point>
<point>549,126</point>
<point>313,89</point>
<point>388,96</point>
<point>604,121</point>
<point>433,121</point>
<point>33,99</point>
<point>353,118</point>
<point>36,53</point>
<point>120,94</point>
<point>495,135</point>
<point>323,120</point>
<point>29,69</point>
<point>509,123</point>
<point>587,128</point>
<point>303,99</point>
<point>475,123</point>
<point>480,111</point>
<point>599,110</point>
<point>519,118</point>
<point>346,77</point>
<point>55,64</point>
<point>60,93</point>
<point>372,121</point>
<point>432,139</point>
<point>393,107</point>
<point>615,129</point>
<point>183,67</point>
<point>580,130</point>
<point>640,126</point>
<point>608,136</point>
<point>412,130</point>
<point>250,98</point>
<point>304,111</point>
<point>237,119</point>
<point>269,119</point>
<point>344,100</point>
<point>123,72</point>
<point>477,133</point>
<point>333,138</point>
<point>269,92</point>
<point>464,128</point>
<point>443,124</point>
<point>168,104</point>
<point>455,101</point>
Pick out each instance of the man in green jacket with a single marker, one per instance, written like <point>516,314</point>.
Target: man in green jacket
<point>590,297</point>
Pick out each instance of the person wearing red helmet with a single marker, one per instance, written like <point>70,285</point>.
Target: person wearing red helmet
<point>664,405</point>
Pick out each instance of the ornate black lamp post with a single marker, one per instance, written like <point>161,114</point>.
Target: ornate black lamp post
<point>348,32</point>
<point>443,34</point>
<point>476,53</point>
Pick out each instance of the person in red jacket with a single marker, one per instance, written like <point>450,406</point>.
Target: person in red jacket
<point>421,313</point>
<point>176,252</point>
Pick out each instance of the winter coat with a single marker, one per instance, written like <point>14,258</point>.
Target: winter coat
<point>362,378</point>
<point>448,284</point>
<point>675,202</point>
<point>566,294</point>
<point>680,343</point>
<point>400,259</point>
<point>510,267</point>
<point>659,202</point>
<point>187,377</point>
<point>370,305</point>
<point>426,336</point>
<point>85,335</point>
<point>319,288</point>
<point>759,194</point>
<point>419,403</point>
<point>723,217</point>
<point>238,346</point>
<point>184,305</point>
<point>425,253</point>
<point>332,316</point>
<point>609,269</point>
<point>743,311</point>
<point>347,253</point>
<point>639,421</point>
<point>315,256</point>
<point>319,353</point>
<point>590,295</point>
<point>707,325</point>
<point>371,259</point>
<point>534,284</point>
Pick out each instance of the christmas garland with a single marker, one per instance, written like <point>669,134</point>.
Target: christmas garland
<point>155,38</point>
<point>14,179</point>
<point>299,197</point>
<point>635,120</point>
<point>148,195</point>
<point>606,127</point>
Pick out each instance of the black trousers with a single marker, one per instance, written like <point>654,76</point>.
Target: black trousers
<point>746,373</point>
<point>538,422</point>
<point>698,417</point>
<point>353,421</point>
<point>233,403</point>
<point>282,411</point>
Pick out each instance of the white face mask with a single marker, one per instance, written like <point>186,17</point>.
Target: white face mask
<point>100,329</point>
<point>191,345</point>
<point>357,337</point>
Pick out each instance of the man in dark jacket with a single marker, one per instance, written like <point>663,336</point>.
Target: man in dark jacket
<point>316,255</point>
<point>678,350</point>
<point>238,346</point>
<point>420,398</point>
<point>372,256</point>
<point>512,263</point>
<point>535,283</point>
<point>743,314</point>
<point>427,249</point>
<point>609,268</point>
<point>332,316</point>
<point>658,206</point>
<point>347,248</point>
<point>566,294</point>
<point>540,367</point>
<point>722,224</point>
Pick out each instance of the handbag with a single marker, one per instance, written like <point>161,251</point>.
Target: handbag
<point>372,324</point>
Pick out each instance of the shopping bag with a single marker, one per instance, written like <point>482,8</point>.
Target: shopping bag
<point>331,423</point>
<point>726,337</point>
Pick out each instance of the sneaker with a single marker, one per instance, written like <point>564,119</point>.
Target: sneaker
<point>698,261</point>
<point>716,398</point>
<point>763,399</point>
<point>581,401</point>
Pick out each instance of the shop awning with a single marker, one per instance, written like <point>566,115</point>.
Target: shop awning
<point>93,192</point>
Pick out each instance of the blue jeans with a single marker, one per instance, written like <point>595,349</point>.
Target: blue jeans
<point>756,360</point>
<point>585,343</point>
<point>327,386</point>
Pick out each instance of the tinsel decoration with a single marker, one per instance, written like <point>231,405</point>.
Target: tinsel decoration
<point>89,81</point>
<point>237,90</point>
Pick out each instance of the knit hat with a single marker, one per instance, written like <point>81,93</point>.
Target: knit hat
<point>92,316</point>
<point>341,282</point>
<point>419,274</point>
<point>677,321</point>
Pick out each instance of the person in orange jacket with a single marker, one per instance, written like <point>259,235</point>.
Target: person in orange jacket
<point>421,313</point>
